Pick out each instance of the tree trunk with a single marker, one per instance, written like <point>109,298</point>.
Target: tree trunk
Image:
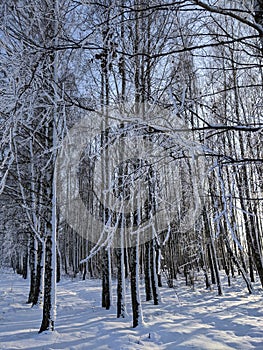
<point>147,274</point>
<point>48,318</point>
<point>135,292</point>
<point>33,267</point>
<point>40,268</point>
<point>106,280</point>
<point>154,278</point>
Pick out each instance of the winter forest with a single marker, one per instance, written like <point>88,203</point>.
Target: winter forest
<point>131,174</point>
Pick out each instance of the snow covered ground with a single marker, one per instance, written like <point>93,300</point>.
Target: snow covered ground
<point>185,320</point>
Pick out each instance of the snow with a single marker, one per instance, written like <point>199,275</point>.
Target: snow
<point>186,319</point>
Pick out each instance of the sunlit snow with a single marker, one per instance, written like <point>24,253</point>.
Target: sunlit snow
<point>186,319</point>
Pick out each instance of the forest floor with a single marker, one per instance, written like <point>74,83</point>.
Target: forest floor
<point>186,319</point>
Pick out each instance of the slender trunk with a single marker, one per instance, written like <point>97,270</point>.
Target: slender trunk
<point>106,295</point>
<point>49,306</point>
<point>135,292</point>
<point>154,278</point>
<point>33,268</point>
<point>147,275</point>
<point>38,291</point>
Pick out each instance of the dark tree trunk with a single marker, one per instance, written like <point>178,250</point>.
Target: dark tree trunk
<point>33,267</point>
<point>84,272</point>
<point>154,279</point>
<point>39,272</point>
<point>25,265</point>
<point>58,265</point>
<point>121,308</point>
<point>47,322</point>
<point>147,275</point>
<point>158,266</point>
<point>135,293</point>
<point>106,297</point>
